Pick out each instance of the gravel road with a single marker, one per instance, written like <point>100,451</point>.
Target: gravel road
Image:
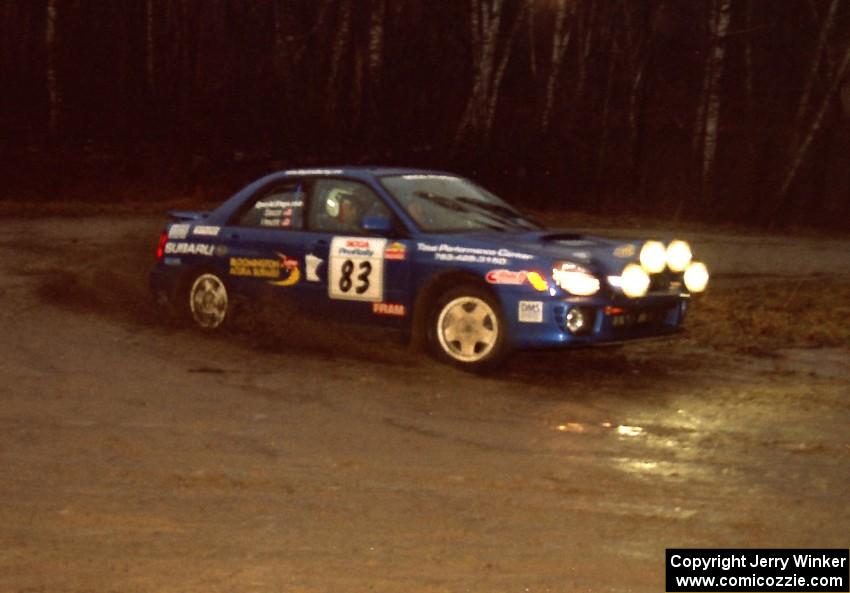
<point>141,456</point>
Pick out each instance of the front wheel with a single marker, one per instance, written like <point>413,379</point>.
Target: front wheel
<point>209,303</point>
<point>467,329</point>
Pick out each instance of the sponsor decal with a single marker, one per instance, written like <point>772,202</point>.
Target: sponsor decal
<point>581,254</point>
<point>221,250</point>
<point>514,277</point>
<point>356,247</point>
<point>313,172</point>
<point>576,242</point>
<point>280,206</point>
<point>477,255</point>
<point>189,249</point>
<point>283,271</point>
<point>420,177</point>
<point>625,251</point>
<point>312,264</point>
<point>395,251</point>
<point>391,309</point>
<point>518,277</point>
<point>178,231</point>
<point>531,311</point>
<point>171,261</point>
<point>356,269</point>
<point>206,231</point>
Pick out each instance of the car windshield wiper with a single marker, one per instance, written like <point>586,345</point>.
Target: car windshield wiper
<point>507,215</point>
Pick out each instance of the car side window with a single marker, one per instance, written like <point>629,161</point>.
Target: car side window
<point>339,206</point>
<point>280,207</point>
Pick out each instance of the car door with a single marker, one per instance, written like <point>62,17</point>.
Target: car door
<point>266,239</point>
<point>351,273</point>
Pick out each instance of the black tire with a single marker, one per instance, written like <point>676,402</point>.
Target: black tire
<point>205,301</point>
<point>466,328</point>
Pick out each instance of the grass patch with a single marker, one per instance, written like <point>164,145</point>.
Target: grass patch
<point>760,315</point>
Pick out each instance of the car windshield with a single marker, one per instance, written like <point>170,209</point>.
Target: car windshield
<point>444,203</point>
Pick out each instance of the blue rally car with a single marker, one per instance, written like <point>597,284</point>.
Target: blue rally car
<point>424,251</point>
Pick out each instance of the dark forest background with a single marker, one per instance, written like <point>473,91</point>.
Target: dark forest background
<point>708,109</point>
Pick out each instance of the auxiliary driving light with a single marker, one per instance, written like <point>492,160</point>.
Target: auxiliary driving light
<point>579,320</point>
<point>634,281</point>
<point>696,277</point>
<point>653,256</point>
<point>679,255</point>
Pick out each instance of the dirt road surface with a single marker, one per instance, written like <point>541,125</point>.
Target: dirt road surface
<point>140,456</point>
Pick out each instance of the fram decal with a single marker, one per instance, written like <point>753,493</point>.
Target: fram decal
<point>189,249</point>
<point>391,309</point>
<point>506,277</point>
<point>395,251</point>
<point>531,311</point>
<point>178,231</point>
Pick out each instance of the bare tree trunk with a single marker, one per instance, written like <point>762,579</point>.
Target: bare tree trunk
<point>500,72</point>
<point>708,112</point>
<point>532,41</point>
<point>149,45</point>
<point>805,98</point>
<point>748,57</point>
<point>340,43</point>
<point>485,24</point>
<point>560,40</point>
<point>814,128</point>
<point>376,39</point>
<point>606,107</point>
<point>53,92</point>
<point>583,60</point>
<point>712,122</point>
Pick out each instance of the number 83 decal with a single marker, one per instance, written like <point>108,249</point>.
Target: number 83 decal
<point>356,269</point>
<point>345,283</point>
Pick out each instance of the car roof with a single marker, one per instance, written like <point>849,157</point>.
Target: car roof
<point>360,171</point>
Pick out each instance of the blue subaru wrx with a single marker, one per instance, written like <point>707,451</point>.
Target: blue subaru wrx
<point>424,251</point>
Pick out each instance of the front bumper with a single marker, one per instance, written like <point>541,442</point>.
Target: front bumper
<point>604,321</point>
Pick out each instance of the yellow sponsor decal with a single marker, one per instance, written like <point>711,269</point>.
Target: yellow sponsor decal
<point>625,251</point>
<point>279,272</point>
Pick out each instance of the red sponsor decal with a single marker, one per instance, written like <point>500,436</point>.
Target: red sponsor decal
<point>357,243</point>
<point>289,263</point>
<point>506,277</point>
<point>395,251</point>
<point>393,309</point>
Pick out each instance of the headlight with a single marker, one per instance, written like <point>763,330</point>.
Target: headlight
<point>653,256</point>
<point>575,279</point>
<point>678,256</point>
<point>696,277</point>
<point>634,281</point>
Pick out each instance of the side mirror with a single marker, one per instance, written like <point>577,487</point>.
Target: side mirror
<point>379,225</point>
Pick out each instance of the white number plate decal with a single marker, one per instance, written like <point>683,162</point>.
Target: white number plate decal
<point>356,269</point>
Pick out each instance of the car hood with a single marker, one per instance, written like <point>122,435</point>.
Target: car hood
<point>599,254</point>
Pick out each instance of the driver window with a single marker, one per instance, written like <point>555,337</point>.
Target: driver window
<point>339,206</point>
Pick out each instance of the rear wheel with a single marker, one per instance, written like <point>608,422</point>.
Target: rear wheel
<point>209,303</point>
<point>466,328</point>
